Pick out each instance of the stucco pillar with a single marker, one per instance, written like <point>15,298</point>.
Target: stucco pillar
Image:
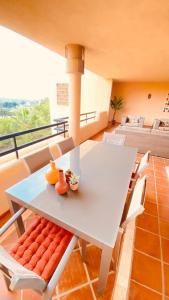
<point>75,68</point>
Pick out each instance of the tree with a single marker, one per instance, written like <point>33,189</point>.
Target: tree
<point>26,118</point>
<point>116,104</point>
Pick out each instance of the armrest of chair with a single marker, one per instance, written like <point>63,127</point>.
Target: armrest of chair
<point>133,216</point>
<point>141,122</point>
<point>20,277</point>
<point>124,120</point>
<point>11,220</point>
<point>156,124</point>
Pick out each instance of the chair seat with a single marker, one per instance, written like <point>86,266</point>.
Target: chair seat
<point>41,247</point>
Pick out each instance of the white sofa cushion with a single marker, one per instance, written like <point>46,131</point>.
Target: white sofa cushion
<point>133,119</point>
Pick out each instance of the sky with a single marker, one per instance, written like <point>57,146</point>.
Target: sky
<point>27,69</point>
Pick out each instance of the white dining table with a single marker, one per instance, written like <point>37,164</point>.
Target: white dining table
<point>92,213</point>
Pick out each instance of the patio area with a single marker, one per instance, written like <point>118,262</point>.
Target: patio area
<point>81,83</point>
<point>150,268</point>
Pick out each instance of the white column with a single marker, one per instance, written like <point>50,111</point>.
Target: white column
<point>75,68</point>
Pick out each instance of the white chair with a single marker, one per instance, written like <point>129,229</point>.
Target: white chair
<point>38,258</point>
<point>10,174</point>
<point>143,163</point>
<point>114,138</point>
<point>139,168</point>
<point>66,145</point>
<point>133,207</point>
<point>135,201</point>
<point>54,150</point>
<point>39,159</point>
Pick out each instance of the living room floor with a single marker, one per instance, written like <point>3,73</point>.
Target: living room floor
<point>150,268</point>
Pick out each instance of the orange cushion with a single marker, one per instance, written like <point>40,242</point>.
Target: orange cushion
<point>41,247</point>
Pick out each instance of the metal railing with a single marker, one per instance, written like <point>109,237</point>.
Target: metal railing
<point>61,126</point>
<point>14,136</point>
<point>84,117</point>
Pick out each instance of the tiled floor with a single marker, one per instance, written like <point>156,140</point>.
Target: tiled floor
<point>150,270</point>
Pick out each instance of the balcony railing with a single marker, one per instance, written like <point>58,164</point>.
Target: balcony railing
<point>61,126</point>
<point>84,118</point>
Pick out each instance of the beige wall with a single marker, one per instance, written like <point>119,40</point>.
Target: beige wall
<point>95,92</point>
<point>91,129</point>
<point>136,100</point>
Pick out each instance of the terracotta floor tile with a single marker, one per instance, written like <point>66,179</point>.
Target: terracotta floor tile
<point>163,181</point>
<point>167,162</point>
<point>150,196</point>
<point>159,166</point>
<point>147,222</point>
<point>161,175</point>
<point>166,279</point>
<point>165,249</point>
<point>5,218</point>
<point>109,288</point>
<point>163,184</point>
<point>148,243</point>
<point>163,199</point>
<point>150,208</point>
<point>73,274</point>
<point>5,294</point>
<point>138,292</point>
<point>93,255</point>
<point>150,187</point>
<point>164,229</point>
<point>147,271</point>
<point>159,169</point>
<point>162,188</point>
<point>163,212</point>
<point>151,180</point>
<point>158,159</point>
<point>81,294</point>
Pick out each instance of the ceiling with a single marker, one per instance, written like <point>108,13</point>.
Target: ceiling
<point>125,40</point>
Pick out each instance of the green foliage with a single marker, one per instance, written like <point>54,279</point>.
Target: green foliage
<point>116,104</point>
<point>26,118</point>
<point>74,179</point>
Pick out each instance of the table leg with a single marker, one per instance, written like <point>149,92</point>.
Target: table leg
<point>14,207</point>
<point>104,268</point>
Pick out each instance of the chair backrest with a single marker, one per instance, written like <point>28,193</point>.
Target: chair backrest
<point>54,150</point>
<point>39,159</point>
<point>66,145</point>
<point>10,174</point>
<point>136,205</point>
<point>114,138</point>
<point>144,162</point>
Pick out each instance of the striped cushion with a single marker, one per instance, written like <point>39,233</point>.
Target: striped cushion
<point>41,247</point>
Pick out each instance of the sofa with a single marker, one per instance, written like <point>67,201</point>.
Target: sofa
<point>154,138</point>
<point>160,127</point>
<point>132,121</point>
